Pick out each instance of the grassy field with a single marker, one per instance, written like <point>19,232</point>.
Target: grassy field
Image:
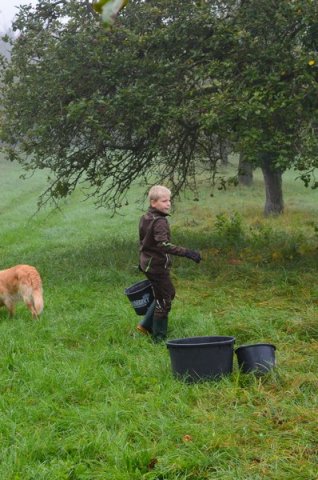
<point>83,397</point>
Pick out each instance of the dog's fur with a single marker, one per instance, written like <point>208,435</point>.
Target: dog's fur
<point>21,282</point>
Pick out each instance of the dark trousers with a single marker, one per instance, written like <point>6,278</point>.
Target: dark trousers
<point>164,292</point>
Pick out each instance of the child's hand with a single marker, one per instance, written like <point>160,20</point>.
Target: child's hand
<point>195,256</point>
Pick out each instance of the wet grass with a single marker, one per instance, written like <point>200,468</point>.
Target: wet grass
<point>84,397</point>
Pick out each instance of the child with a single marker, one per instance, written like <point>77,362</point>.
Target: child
<point>155,261</point>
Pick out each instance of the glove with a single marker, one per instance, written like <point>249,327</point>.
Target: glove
<point>195,256</point>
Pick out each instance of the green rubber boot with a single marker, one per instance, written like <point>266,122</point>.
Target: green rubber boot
<point>145,326</point>
<point>159,329</point>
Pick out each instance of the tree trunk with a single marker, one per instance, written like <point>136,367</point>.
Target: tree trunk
<point>245,172</point>
<point>274,204</point>
<point>223,149</point>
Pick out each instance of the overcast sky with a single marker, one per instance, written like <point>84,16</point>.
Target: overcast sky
<point>8,8</point>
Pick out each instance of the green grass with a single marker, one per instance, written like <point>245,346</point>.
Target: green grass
<point>83,397</point>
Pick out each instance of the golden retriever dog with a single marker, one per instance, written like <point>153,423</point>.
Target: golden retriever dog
<point>21,282</point>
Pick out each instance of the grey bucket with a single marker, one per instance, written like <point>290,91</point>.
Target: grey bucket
<point>258,358</point>
<point>201,358</point>
<point>140,296</point>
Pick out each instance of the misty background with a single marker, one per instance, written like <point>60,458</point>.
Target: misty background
<point>8,10</point>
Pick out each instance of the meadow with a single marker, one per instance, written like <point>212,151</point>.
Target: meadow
<point>85,397</point>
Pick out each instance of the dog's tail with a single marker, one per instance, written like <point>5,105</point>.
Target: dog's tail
<point>37,300</point>
<point>33,292</point>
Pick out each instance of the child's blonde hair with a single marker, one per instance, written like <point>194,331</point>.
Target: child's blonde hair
<point>158,191</point>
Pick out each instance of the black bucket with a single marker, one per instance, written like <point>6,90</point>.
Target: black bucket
<point>141,296</point>
<point>201,358</point>
<point>257,358</point>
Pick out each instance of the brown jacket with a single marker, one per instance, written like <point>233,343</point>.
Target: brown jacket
<point>155,246</point>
